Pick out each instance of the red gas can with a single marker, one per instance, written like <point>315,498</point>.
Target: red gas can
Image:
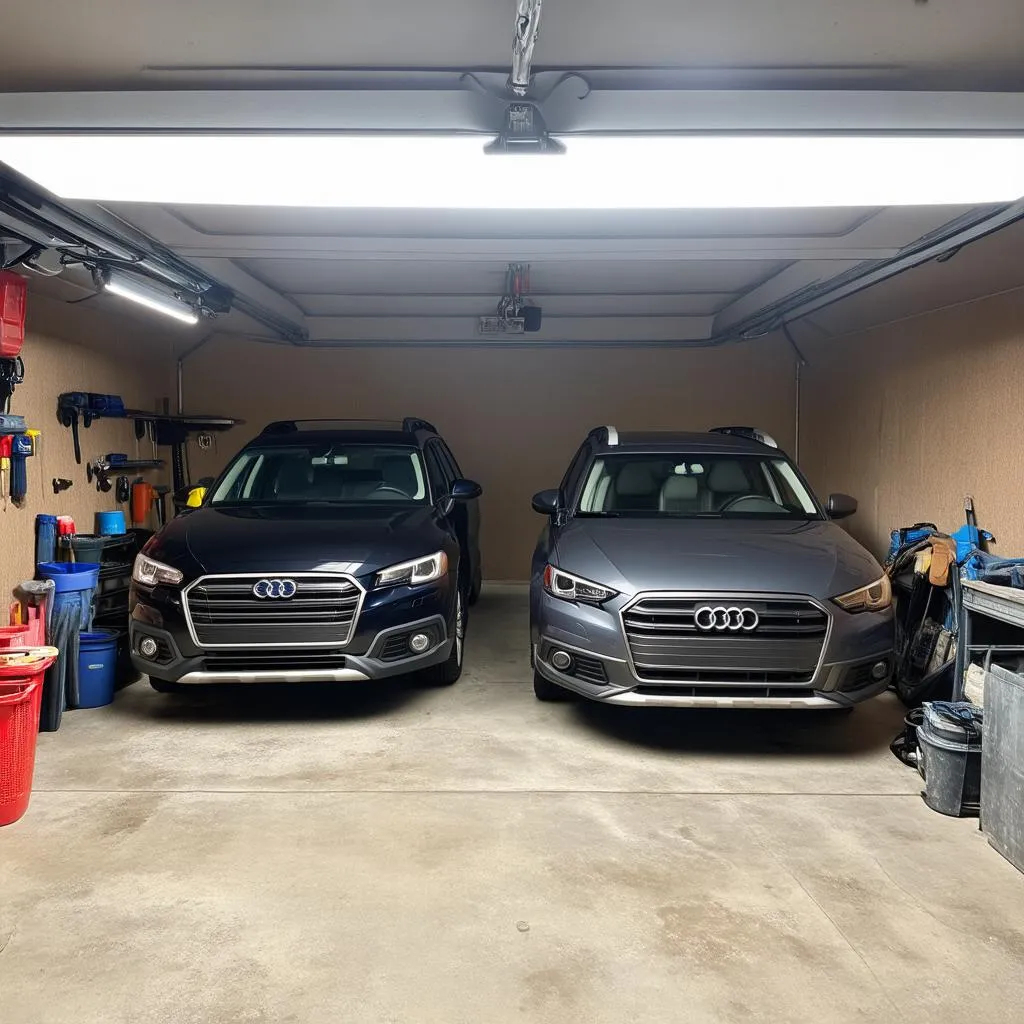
<point>13,290</point>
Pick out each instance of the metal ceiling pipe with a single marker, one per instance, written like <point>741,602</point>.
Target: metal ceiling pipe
<point>527,28</point>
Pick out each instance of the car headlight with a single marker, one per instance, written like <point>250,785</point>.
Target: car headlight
<point>150,572</point>
<point>559,583</point>
<point>419,570</point>
<point>872,598</point>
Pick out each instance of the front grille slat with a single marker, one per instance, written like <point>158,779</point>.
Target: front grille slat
<point>226,613</point>
<point>668,647</point>
<point>265,661</point>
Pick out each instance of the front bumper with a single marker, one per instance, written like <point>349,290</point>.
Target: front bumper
<point>386,615</point>
<point>603,671</point>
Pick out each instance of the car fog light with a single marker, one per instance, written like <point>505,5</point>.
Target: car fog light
<point>148,647</point>
<point>879,670</point>
<point>419,642</point>
<point>562,660</point>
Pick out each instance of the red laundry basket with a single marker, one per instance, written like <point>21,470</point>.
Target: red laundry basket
<point>21,693</point>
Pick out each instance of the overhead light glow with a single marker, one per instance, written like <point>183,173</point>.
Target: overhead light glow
<point>453,172</point>
<point>150,296</point>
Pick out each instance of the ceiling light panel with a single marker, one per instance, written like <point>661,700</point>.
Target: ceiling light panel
<point>595,172</point>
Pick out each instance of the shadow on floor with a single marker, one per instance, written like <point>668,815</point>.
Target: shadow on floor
<point>285,702</point>
<point>868,727</point>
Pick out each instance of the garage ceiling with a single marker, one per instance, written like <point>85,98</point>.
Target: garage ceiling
<point>372,277</point>
<point>118,44</point>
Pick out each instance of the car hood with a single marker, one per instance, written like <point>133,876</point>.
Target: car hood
<point>754,556</point>
<point>295,539</point>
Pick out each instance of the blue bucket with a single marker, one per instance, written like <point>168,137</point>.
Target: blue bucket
<point>70,575</point>
<point>110,524</point>
<point>97,668</point>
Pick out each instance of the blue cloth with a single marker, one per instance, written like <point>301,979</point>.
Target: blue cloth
<point>968,540</point>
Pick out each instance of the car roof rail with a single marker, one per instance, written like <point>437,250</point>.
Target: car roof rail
<point>605,435</point>
<point>293,426</point>
<point>413,423</point>
<point>752,433</point>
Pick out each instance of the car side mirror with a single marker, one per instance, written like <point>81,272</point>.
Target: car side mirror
<point>841,505</point>
<point>465,490</point>
<point>546,502</point>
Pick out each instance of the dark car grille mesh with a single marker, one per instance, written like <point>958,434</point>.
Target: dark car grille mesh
<point>267,661</point>
<point>225,611</point>
<point>590,670</point>
<point>666,644</point>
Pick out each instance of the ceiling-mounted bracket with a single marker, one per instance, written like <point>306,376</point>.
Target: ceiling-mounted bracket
<point>524,132</point>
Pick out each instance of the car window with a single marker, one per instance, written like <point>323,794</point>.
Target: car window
<point>448,461</point>
<point>696,485</point>
<point>336,473</point>
<point>440,482</point>
<point>572,475</point>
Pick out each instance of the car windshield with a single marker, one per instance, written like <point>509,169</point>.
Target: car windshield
<point>324,473</point>
<point>696,486</point>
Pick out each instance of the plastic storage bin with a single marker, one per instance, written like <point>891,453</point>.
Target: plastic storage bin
<point>1002,764</point>
<point>97,668</point>
<point>13,636</point>
<point>21,689</point>
<point>949,739</point>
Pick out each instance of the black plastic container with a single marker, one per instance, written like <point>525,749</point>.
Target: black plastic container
<point>949,739</point>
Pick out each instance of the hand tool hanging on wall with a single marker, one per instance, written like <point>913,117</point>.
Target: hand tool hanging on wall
<point>98,472</point>
<point>12,373</point>
<point>122,490</point>
<point>86,406</point>
<point>160,492</point>
<point>5,464</point>
<point>21,452</point>
<point>61,484</point>
<point>73,406</point>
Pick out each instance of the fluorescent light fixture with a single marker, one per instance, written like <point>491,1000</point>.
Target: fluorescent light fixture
<point>150,296</point>
<point>453,172</point>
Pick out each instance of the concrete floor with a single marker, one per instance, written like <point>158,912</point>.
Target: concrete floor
<point>389,854</point>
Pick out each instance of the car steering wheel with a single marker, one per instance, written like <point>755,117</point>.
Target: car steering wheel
<point>746,497</point>
<point>387,487</point>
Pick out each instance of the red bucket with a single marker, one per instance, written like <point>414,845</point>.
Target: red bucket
<point>20,697</point>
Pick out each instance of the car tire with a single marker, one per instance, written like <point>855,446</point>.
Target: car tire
<point>544,689</point>
<point>163,686</point>
<point>474,593</point>
<point>448,672</point>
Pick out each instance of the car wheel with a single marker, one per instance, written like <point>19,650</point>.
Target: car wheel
<point>163,686</point>
<point>546,690</point>
<point>449,671</point>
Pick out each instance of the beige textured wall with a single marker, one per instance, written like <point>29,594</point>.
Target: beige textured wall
<point>54,364</point>
<point>513,417</point>
<point>911,417</point>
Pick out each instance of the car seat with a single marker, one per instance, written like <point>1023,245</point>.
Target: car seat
<point>294,478</point>
<point>398,471</point>
<point>679,494</point>
<point>726,480</point>
<point>635,488</point>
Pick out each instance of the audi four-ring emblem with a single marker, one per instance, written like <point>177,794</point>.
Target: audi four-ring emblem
<point>275,589</point>
<point>720,618</point>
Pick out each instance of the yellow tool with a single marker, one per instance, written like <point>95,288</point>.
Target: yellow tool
<point>36,437</point>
